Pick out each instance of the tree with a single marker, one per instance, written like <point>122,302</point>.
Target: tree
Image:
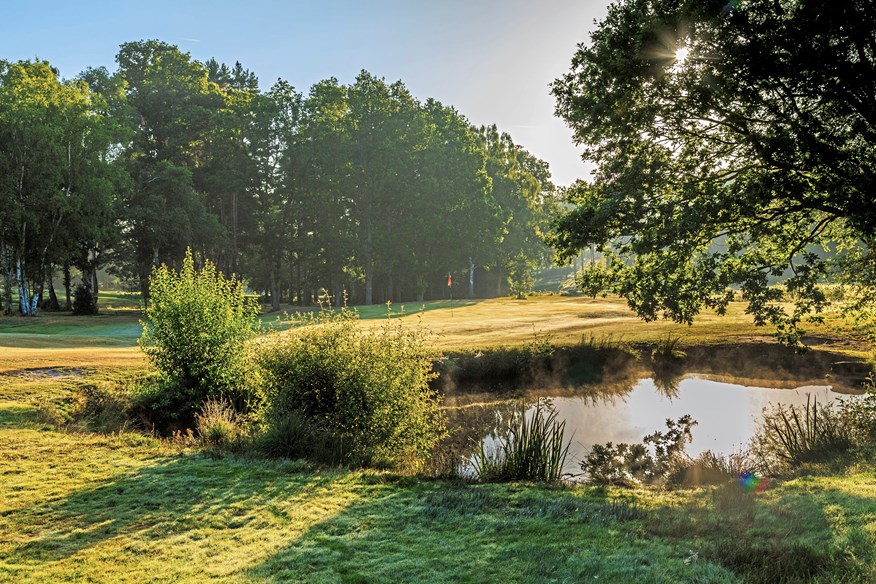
<point>175,106</point>
<point>731,139</point>
<point>57,180</point>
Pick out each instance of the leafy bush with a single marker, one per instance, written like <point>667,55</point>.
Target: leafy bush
<point>626,464</point>
<point>195,333</point>
<point>521,278</point>
<point>367,389</point>
<point>531,450</point>
<point>793,435</point>
<point>861,416</point>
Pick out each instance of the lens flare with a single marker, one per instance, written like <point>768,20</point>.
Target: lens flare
<point>681,55</point>
<point>751,483</point>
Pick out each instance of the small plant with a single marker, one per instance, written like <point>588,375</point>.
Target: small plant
<point>710,468</point>
<point>294,437</point>
<point>195,333</point>
<point>793,435</point>
<point>653,461</point>
<point>218,425</point>
<point>531,449</point>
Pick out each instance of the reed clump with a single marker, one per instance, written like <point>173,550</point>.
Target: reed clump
<point>532,448</point>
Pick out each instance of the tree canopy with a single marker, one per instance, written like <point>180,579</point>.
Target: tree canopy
<point>733,141</point>
<point>361,190</point>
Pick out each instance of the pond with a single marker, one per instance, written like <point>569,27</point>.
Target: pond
<point>727,411</point>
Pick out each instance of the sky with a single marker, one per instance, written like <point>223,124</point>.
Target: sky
<point>493,60</point>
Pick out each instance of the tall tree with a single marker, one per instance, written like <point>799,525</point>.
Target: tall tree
<point>730,138</point>
<point>176,106</point>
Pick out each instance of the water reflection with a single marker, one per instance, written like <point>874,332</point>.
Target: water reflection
<point>727,413</point>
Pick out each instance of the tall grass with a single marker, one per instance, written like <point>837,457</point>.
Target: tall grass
<point>793,435</point>
<point>531,449</point>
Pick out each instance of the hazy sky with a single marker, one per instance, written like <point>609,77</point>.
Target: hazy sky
<point>491,59</point>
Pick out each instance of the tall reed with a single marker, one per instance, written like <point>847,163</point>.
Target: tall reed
<point>531,449</point>
<point>798,434</point>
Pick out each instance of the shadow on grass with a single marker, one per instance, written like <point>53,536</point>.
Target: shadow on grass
<point>456,532</point>
<point>793,538</point>
<point>171,497</point>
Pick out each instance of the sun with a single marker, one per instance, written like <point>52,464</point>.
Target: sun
<point>681,55</point>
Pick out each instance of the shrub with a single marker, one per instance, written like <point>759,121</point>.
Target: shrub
<point>794,435</point>
<point>653,461</point>
<point>83,301</point>
<point>520,276</point>
<point>531,449</point>
<point>195,333</point>
<point>861,415</point>
<point>367,389</point>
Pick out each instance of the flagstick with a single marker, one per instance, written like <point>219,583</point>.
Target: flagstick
<point>450,285</point>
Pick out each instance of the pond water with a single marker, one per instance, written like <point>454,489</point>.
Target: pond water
<point>727,414</point>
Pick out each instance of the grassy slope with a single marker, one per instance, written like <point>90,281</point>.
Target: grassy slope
<point>130,508</point>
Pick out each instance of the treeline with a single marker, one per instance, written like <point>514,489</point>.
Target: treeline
<point>359,190</point>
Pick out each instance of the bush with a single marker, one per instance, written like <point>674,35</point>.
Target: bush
<point>794,435</point>
<point>627,464</point>
<point>366,389</point>
<point>83,301</point>
<point>861,416</point>
<point>195,332</point>
<point>532,450</point>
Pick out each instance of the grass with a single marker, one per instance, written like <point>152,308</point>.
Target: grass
<point>127,507</point>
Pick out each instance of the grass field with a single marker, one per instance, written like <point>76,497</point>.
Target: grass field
<point>128,507</point>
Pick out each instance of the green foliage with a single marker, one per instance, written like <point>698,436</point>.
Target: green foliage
<point>652,461</point>
<point>368,389</point>
<point>533,449</point>
<point>84,301</point>
<point>860,412</point>
<point>719,173</point>
<point>521,276</point>
<point>794,435</point>
<point>294,436</point>
<point>195,334</point>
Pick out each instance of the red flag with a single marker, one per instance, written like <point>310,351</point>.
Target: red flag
<point>449,281</point>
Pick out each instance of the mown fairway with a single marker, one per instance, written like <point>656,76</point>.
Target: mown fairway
<point>130,508</point>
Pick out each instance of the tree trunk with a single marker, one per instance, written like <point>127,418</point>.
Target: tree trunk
<point>8,274</point>
<point>498,281</point>
<point>53,303</point>
<point>275,290</point>
<point>471,271</point>
<point>68,306</point>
